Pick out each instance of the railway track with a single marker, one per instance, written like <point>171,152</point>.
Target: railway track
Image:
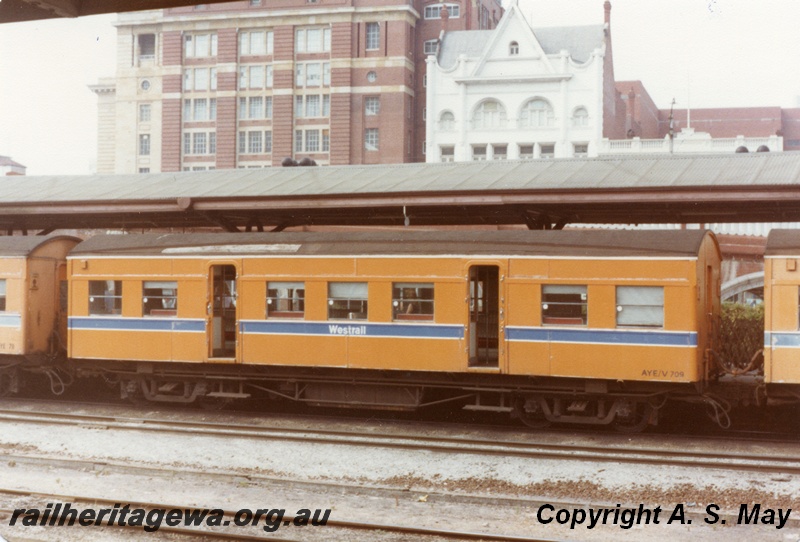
<point>712,459</point>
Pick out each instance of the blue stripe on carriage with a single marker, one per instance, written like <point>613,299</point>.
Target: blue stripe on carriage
<point>781,340</point>
<point>417,331</point>
<point>136,324</point>
<point>598,336</point>
<point>10,320</point>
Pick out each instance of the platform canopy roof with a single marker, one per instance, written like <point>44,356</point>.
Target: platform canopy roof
<point>542,194</point>
<point>14,11</point>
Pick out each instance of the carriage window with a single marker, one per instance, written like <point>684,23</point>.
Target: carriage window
<point>286,299</point>
<point>347,301</point>
<point>160,298</point>
<point>2,295</point>
<point>105,297</point>
<point>564,304</point>
<point>412,301</point>
<point>640,306</point>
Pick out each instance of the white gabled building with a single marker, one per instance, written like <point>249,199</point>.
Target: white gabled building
<point>521,92</point>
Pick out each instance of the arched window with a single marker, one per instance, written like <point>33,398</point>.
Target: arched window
<point>489,114</point>
<point>513,48</point>
<point>447,121</point>
<point>580,117</point>
<point>536,113</point>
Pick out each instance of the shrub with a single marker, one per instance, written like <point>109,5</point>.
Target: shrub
<point>741,334</point>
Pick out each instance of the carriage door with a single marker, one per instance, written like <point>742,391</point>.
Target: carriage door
<point>484,312</point>
<point>221,311</point>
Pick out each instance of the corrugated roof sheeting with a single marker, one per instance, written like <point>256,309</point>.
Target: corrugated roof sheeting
<point>719,188</point>
<point>760,169</point>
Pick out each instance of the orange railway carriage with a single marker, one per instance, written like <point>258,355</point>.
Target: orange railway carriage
<point>587,326</point>
<point>33,321</point>
<point>781,316</point>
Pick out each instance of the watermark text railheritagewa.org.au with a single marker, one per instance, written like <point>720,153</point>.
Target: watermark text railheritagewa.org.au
<point>150,520</point>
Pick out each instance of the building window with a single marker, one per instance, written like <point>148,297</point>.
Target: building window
<point>286,299</point>
<point>489,114</point>
<point>372,105</point>
<point>640,306</point>
<point>412,301</point>
<point>105,297</point>
<point>513,48</point>
<point>536,113</point>
<point>430,47</point>
<point>447,121</point>
<point>580,150</point>
<point>258,42</point>
<point>147,46</point>
<point>371,139</point>
<point>198,143</point>
<point>526,152</point>
<point>448,153</point>
<point>313,140</point>
<point>564,305</point>
<point>347,301</point>
<point>160,298</point>
<point>199,109</point>
<point>580,117</point>
<point>200,79</point>
<point>499,152</point>
<point>144,112</point>
<point>144,170</point>
<point>2,295</point>
<point>255,77</point>
<point>548,150</point>
<point>479,152</point>
<point>312,105</point>
<point>312,74</point>
<point>200,45</point>
<point>144,144</point>
<point>312,40</point>
<point>434,11</point>
<point>373,36</point>
<point>255,142</point>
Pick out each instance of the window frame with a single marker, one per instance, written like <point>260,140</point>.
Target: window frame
<point>345,303</point>
<point>293,301</point>
<point>564,303</point>
<point>371,139</point>
<point>406,307</point>
<point>98,302</point>
<point>169,302</point>
<point>372,36</point>
<point>621,307</point>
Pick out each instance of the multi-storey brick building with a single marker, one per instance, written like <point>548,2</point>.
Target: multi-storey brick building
<point>248,84</point>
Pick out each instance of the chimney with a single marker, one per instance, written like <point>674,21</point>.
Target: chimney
<point>607,9</point>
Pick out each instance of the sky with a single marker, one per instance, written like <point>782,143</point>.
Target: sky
<point>702,53</point>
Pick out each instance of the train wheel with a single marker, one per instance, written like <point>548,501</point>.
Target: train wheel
<point>530,413</point>
<point>632,416</point>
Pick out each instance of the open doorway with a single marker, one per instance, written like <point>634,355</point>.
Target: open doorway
<point>484,324</point>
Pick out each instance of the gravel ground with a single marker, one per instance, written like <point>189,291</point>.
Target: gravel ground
<point>421,488</point>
